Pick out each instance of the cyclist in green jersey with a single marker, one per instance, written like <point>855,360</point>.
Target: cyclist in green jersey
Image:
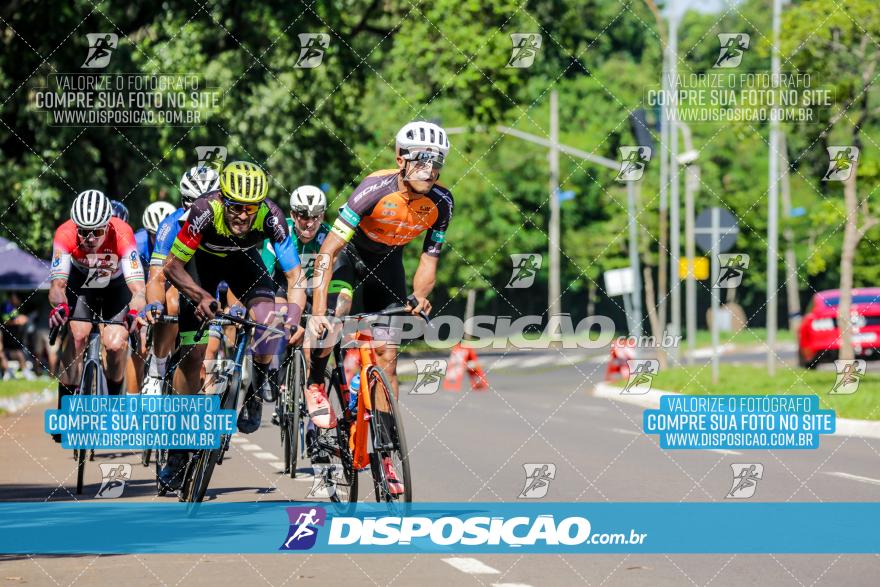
<point>308,204</point>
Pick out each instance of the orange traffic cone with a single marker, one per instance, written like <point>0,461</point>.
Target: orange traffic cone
<point>617,362</point>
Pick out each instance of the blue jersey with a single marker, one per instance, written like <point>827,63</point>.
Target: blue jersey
<point>144,248</point>
<point>166,234</point>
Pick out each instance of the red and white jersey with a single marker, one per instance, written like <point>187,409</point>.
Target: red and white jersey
<point>116,256</point>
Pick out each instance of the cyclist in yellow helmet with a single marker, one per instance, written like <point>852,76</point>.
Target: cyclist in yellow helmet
<point>221,241</point>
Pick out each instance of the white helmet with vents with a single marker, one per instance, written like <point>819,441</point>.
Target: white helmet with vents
<point>155,214</point>
<point>424,136</point>
<point>91,209</point>
<point>196,182</point>
<point>309,200</point>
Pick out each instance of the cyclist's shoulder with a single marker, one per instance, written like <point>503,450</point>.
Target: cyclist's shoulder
<point>373,188</point>
<point>121,231</point>
<point>442,197</point>
<point>203,208</point>
<point>65,234</point>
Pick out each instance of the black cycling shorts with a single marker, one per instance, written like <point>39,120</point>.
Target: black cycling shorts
<point>109,302</point>
<point>378,276</point>
<point>245,273</point>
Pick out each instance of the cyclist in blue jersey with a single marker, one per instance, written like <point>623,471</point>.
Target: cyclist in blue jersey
<point>144,239</point>
<point>146,236</point>
<point>119,210</point>
<point>161,296</point>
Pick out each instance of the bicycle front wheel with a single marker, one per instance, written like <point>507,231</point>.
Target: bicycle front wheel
<point>390,458</point>
<point>339,477</point>
<point>89,386</point>
<point>203,468</point>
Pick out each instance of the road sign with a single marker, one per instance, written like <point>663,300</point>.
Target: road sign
<point>700,268</point>
<point>716,226</point>
<point>619,282</point>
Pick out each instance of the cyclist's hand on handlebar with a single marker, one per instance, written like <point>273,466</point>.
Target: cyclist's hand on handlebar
<point>238,311</point>
<point>133,320</point>
<point>296,336</point>
<point>422,305</point>
<point>207,307</point>
<point>58,315</point>
<point>152,312</point>
<point>318,325</point>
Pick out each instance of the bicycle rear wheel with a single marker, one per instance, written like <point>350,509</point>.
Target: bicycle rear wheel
<point>291,411</point>
<point>389,441</point>
<point>203,468</point>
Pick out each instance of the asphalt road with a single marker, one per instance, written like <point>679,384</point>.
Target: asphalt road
<point>471,446</point>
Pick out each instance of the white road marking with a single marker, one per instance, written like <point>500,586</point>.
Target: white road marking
<point>252,447</point>
<point>870,480</point>
<point>625,431</point>
<point>238,440</point>
<point>724,451</point>
<point>510,585</point>
<point>540,360</point>
<point>266,456</point>
<point>471,566</point>
<point>278,465</point>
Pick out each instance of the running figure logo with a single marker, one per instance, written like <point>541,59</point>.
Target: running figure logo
<point>733,46</point>
<point>525,48</point>
<point>312,46</point>
<point>733,267</point>
<point>113,479</point>
<point>525,268</point>
<point>303,532</point>
<point>633,160</point>
<point>641,376</point>
<point>745,480</point>
<point>429,374</point>
<point>849,375</point>
<point>211,156</point>
<point>538,478</point>
<point>101,46</point>
<point>842,162</point>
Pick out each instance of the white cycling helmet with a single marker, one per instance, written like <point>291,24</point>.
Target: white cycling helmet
<point>91,209</point>
<point>155,214</point>
<point>422,135</point>
<point>196,182</point>
<point>309,200</point>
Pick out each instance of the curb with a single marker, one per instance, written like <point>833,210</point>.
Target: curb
<point>844,426</point>
<point>19,402</point>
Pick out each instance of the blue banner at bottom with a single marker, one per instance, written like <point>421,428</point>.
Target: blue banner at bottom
<point>444,528</point>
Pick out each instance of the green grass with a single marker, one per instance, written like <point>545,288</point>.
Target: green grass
<point>745,337</point>
<point>864,404</point>
<point>18,386</point>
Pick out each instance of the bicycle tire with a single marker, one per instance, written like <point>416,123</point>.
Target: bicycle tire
<point>203,470</point>
<point>90,384</point>
<point>343,433</point>
<point>289,438</point>
<point>378,383</point>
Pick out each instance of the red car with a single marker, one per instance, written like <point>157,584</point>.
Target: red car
<point>819,337</point>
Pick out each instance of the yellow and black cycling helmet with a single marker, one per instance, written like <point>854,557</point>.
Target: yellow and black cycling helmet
<point>245,182</point>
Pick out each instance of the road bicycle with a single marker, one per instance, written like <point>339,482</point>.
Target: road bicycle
<point>160,454</point>
<point>200,467</point>
<point>93,381</point>
<point>374,432</point>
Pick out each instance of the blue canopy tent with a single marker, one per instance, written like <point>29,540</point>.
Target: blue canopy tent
<point>19,270</point>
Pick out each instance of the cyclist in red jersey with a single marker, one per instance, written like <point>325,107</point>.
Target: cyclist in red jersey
<point>95,268</point>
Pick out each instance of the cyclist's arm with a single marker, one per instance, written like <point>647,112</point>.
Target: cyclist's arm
<point>333,244</point>
<point>156,285</point>
<point>288,260</point>
<point>175,271</point>
<point>132,269</point>
<point>426,276</point>
<point>65,237</point>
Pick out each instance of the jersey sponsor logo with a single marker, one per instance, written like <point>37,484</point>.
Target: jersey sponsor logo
<point>56,259</point>
<point>164,229</point>
<point>320,238</point>
<point>370,189</point>
<point>438,236</point>
<point>198,223</point>
<point>133,260</point>
<point>349,215</point>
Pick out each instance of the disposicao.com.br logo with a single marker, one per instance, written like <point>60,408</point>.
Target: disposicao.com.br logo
<point>472,531</point>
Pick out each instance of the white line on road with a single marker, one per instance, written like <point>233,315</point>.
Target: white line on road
<point>252,447</point>
<point>278,465</point>
<point>266,456</point>
<point>854,477</point>
<point>625,431</point>
<point>724,451</point>
<point>238,440</point>
<point>510,585</point>
<point>471,566</point>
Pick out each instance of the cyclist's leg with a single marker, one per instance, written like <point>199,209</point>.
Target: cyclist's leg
<point>339,296</point>
<point>385,285</point>
<point>164,338</point>
<point>114,306</point>
<point>256,291</point>
<point>83,302</point>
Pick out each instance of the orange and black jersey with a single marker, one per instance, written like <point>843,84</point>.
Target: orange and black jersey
<point>378,216</point>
